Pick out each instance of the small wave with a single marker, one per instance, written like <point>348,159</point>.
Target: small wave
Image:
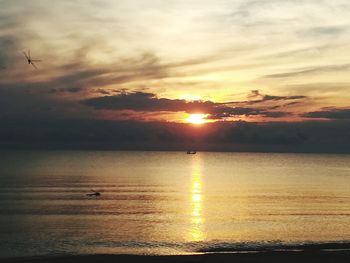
<point>225,247</point>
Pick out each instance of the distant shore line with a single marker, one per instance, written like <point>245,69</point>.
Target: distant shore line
<point>112,148</point>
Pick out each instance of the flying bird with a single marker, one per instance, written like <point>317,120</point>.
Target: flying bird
<point>95,193</point>
<point>30,60</point>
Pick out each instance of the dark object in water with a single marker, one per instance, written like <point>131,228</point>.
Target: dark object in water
<point>191,152</point>
<point>95,193</point>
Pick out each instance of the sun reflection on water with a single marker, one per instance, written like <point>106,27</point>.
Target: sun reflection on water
<point>197,220</point>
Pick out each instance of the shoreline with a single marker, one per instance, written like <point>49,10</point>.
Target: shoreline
<point>260,256</point>
<point>303,252</point>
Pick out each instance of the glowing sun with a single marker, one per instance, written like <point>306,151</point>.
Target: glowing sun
<point>196,118</point>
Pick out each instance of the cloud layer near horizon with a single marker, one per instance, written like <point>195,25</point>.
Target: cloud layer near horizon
<point>149,102</point>
<point>219,136</point>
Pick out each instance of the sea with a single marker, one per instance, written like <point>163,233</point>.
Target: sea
<point>170,203</point>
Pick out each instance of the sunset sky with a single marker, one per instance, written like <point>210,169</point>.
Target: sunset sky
<point>261,63</point>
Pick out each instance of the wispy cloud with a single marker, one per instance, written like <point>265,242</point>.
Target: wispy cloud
<point>330,113</point>
<point>310,70</point>
<point>256,97</point>
<point>331,31</point>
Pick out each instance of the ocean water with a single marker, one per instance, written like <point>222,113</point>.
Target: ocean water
<point>169,202</point>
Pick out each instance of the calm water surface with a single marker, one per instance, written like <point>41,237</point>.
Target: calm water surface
<point>169,202</point>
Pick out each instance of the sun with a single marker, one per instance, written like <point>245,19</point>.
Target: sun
<point>197,118</point>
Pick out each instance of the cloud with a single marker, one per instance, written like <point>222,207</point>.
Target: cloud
<point>256,97</point>
<point>331,31</point>
<point>71,79</point>
<point>252,133</point>
<point>265,104</point>
<point>149,102</point>
<point>70,90</point>
<point>143,101</point>
<point>329,113</point>
<point>103,91</point>
<point>91,50</point>
<point>7,43</point>
<point>222,112</point>
<point>219,136</point>
<point>310,70</point>
<point>289,137</point>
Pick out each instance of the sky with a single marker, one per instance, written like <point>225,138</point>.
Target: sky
<point>257,73</point>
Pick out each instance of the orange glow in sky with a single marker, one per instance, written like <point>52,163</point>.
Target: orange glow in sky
<point>197,118</point>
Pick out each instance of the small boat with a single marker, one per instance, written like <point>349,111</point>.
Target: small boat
<point>191,152</point>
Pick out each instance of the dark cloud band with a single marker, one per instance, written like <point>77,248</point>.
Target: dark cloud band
<point>333,114</point>
<point>149,102</point>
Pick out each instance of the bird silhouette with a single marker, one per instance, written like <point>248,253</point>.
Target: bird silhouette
<point>94,193</point>
<point>30,60</point>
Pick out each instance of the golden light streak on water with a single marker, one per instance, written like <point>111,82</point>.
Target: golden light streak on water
<point>196,199</point>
